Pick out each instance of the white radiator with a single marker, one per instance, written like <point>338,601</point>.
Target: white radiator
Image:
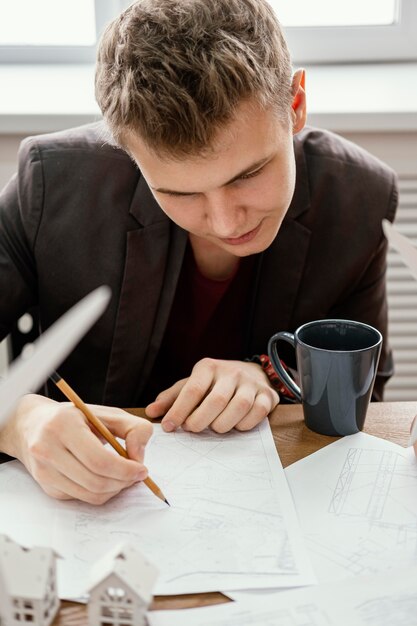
<point>402,300</point>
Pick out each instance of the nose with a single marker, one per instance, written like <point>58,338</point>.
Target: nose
<point>225,215</point>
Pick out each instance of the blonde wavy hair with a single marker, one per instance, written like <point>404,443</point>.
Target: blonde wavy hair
<point>174,71</point>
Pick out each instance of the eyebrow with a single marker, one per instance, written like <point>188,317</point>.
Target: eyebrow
<point>247,170</point>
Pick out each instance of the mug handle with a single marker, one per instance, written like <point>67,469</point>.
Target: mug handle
<point>276,362</point>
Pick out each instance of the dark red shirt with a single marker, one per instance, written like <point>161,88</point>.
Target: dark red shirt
<point>208,319</point>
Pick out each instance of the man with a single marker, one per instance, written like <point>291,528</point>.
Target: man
<point>213,216</point>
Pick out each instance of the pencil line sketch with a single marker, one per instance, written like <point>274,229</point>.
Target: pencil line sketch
<point>378,600</point>
<point>400,609</point>
<point>361,511</point>
<point>219,509</point>
<point>370,488</point>
<point>232,522</point>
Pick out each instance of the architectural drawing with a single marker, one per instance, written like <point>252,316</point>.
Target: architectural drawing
<point>357,505</point>
<point>378,600</point>
<point>396,609</point>
<point>231,524</point>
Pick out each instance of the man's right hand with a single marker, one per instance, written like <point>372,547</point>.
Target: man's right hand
<point>59,448</point>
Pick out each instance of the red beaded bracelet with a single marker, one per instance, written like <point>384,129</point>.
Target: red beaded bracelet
<point>265,362</point>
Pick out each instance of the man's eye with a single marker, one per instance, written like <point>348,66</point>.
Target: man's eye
<point>251,174</point>
<point>173,194</point>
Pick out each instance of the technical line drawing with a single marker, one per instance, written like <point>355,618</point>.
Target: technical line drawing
<point>232,523</point>
<point>356,502</point>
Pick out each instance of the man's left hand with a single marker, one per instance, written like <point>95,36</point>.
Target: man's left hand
<point>219,394</point>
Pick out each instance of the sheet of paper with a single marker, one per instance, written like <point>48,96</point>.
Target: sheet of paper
<point>378,600</point>
<point>357,504</point>
<point>232,523</point>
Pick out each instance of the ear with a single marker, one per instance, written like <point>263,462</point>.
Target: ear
<point>299,108</point>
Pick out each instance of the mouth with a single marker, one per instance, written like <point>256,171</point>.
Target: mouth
<point>245,238</point>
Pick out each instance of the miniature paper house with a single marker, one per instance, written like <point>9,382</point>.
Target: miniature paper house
<point>28,592</point>
<point>121,588</point>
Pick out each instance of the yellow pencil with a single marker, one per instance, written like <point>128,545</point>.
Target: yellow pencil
<point>102,429</point>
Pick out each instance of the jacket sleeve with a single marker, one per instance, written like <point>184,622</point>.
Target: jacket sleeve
<point>20,214</point>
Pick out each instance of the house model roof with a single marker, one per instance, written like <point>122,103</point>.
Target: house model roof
<point>130,567</point>
<point>25,571</point>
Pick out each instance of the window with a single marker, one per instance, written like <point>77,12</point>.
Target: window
<point>47,31</point>
<point>24,610</point>
<point>328,31</point>
<point>318,31</point>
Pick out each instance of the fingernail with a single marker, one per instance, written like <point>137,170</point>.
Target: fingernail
<point>142,474</point>
<point>168,426</point>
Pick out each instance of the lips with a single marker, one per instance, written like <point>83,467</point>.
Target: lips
<point>236,241</point>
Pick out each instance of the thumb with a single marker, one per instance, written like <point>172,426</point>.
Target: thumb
<point>136,431</point>
<point>165,400</point>
<point>136,439</point>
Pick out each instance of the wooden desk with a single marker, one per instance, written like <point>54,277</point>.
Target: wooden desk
<point>293,441</point>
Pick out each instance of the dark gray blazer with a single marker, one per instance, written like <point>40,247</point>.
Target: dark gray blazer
<point>79,214</point>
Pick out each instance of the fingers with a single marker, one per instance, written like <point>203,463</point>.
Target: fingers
<point>264,403</point>
<point>191,395</point>
<point>61,487</point>
<point>136,432</point>
<point>69,461</point>
<point>220,405</point>
<point>245,410</point>
<point>165,400</point>
<point>87,451</point>
<point>221,395</point>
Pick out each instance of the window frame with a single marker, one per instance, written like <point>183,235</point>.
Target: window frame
<point>105,11</point>
<point>308,45</point>
<point>354,44</point>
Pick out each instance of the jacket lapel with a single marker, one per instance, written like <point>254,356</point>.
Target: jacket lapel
<point>281,267</point>
<point>154,253</point>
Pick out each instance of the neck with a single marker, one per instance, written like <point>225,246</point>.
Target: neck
<point>212,261</point>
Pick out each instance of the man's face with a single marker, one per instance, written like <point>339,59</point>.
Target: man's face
<point>236,198</point>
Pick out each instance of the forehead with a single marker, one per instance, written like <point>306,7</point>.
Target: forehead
<point>253,135</point>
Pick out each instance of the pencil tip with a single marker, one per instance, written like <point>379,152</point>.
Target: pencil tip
<point>167,502</point>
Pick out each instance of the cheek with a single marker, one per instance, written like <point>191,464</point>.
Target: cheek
<point>282,185</point>
<point>181,214</point>
<point>274,192</point>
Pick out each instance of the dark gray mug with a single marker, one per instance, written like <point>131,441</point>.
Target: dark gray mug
<point>337,362</point>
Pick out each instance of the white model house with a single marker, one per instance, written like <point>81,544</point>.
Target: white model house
<point>27,584</point>
<point>121,588</point>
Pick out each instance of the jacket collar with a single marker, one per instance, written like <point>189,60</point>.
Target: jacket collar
<point>301,198</point>
<point>144,208</point>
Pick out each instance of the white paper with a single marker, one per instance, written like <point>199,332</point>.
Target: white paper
<point>357,504</point>
<point>232,523</point>
<point>379,600</point>
<point>245,595</point>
